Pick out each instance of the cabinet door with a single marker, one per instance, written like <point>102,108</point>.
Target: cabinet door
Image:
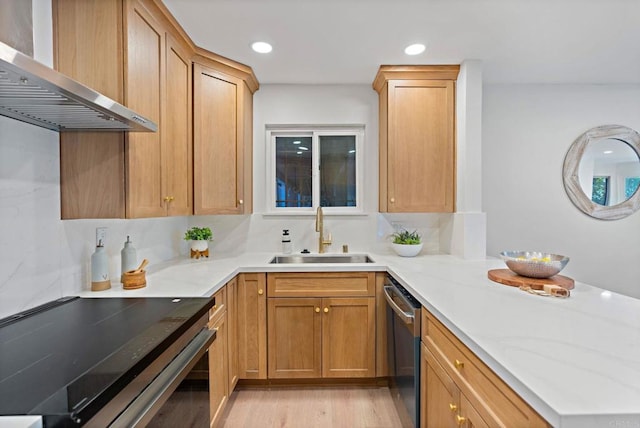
<point>144,92</point>
<point>440,397</point>
<point>218,156</point>
<point>177,144</point>
<point>295,337</point>
<point>232,332</point>
<point>252,326</point>
<point>421,151</point>
<point>348,337</point>
<point>218,369</point>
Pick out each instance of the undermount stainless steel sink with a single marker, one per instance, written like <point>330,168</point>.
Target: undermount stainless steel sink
<point>351,258</point>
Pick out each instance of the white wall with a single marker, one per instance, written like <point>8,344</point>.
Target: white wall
<point>527,130</point>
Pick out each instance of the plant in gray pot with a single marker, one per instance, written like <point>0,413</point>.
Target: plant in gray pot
<point>407,244</point>
<point>199,237</point>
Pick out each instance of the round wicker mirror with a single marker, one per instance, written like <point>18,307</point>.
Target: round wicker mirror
<point>601,172</point>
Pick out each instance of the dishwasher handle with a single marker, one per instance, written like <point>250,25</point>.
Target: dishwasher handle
<point>407,317</point>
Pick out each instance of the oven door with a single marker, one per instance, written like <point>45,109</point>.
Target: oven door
<point>179,395</point>
<point>403,350</point>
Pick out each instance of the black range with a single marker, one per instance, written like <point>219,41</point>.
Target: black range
<point>67,359</point>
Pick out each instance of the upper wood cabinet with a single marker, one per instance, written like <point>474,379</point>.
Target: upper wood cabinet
<point>131,51</point>
<point>136,53</point>
<point>417,138</point>
<point>223,135</point>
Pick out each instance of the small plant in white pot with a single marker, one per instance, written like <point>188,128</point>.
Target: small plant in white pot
<point>407,244</point>
<point>199,237</point>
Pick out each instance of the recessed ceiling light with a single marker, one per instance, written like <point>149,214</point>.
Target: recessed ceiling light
<point>298,153</point>
<point>296,142</point>
<point>352,151</point>
<point>262,47</point>
<point>608,152</point>
<point>414,49</point>
<point>303,148</point>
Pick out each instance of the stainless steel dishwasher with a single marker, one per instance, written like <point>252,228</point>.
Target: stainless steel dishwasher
<point>403,350</point>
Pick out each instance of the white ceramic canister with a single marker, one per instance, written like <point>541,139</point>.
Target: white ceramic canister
<point>128,258</point>
<point>100,269</point>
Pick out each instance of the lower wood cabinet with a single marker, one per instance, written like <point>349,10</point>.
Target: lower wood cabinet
<point>218,360</point>
<point>458,389</point>
<point>232,332</point>
<point>329,337</point>
<point>252,326</point>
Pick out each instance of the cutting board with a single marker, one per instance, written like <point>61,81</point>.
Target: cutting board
<point>508,277</point>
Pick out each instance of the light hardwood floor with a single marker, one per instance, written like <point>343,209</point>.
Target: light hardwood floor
<point>324,407</point>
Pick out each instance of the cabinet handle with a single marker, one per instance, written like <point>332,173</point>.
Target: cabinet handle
<point>240,202</point>
<point>326,310</point>
<point>459,364</point>
<point>166,199</point>
<point>317,310</point>
<point>392,200</point>
<point>260,292</point>
<point>460,419</point>
<point>453,407</point>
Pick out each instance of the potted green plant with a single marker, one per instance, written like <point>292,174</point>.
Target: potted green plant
<point>407,244</point>
<point>199,237</point>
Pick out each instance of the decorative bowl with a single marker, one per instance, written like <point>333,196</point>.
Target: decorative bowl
<point>406,250</point>
<point>534,264</point>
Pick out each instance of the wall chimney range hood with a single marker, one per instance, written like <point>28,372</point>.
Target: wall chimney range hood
<point>34,93</point>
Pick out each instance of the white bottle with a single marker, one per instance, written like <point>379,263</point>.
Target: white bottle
<point>100,269</point>
<point>286,242</point>
<point>128,258</point>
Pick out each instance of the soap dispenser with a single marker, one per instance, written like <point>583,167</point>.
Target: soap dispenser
<point>100,269</point>
<point>286,241</point>
<point>128,258</point>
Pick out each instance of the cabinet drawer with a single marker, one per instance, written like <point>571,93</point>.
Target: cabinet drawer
<point>325,284</point>
<point>219,303</point>
<point>483,388</point>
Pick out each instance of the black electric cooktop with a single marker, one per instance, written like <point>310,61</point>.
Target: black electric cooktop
<point>75,354</point>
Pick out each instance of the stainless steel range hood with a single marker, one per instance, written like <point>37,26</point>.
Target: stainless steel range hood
<point>34,93</point>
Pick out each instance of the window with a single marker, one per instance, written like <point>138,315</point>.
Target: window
<point>314,166</point>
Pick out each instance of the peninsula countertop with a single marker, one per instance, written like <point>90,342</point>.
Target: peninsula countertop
<point>576,361</point>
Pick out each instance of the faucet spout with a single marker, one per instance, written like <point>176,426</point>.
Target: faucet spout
<point>320,228</point>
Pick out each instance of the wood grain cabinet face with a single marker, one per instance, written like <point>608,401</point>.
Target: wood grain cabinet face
<point>222,142</point>
<point>218,369</point>
<point>417,138</point>
<point>130,51</point>
<point>252,326</point>
<point>312,335</point>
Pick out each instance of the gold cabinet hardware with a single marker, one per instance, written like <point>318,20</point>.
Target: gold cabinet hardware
<point>459,364</point>
<point>453,407</point>
<point>326,310</point>
<point>317,310</point>
<point>392,200</point>
<point>460,419</point>
<point>240,202</point>
<point>168,198</point>
<point>260,292</point>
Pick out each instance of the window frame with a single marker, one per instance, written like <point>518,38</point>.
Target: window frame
<point>315,132</point>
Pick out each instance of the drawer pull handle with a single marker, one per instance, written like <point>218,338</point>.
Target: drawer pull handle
<point>453,407</point>
<point>317,310</point>
<point>326,310</point>
<point>459,364</point>
<point>260,292</point>
<point>460,419</point>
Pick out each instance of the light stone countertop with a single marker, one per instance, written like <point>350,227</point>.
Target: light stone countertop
<point>576,361</point>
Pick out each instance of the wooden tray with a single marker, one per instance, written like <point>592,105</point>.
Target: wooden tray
<point>508,277</point>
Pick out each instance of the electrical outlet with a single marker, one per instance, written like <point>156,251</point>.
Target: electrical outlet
<point>101,236</point>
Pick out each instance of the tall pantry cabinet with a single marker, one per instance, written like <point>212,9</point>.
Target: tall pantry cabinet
<point>134,52</point>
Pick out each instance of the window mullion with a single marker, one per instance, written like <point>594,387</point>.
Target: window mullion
<point>315,159</point>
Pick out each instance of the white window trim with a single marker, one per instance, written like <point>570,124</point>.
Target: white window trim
<point>315,131</point>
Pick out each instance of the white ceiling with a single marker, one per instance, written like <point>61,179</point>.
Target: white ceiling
<point>344,41</point>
